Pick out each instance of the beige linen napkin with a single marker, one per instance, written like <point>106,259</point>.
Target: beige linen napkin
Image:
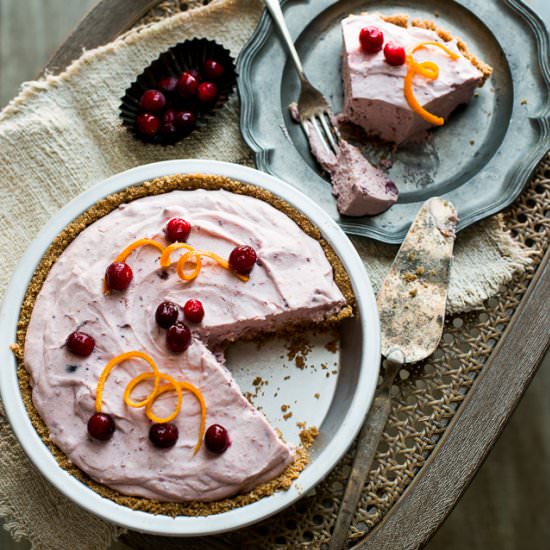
<point>62,134</point>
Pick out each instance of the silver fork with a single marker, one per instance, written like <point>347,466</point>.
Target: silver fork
<point>313,108</point>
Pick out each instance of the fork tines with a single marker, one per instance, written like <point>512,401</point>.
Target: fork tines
<point>327,132</point>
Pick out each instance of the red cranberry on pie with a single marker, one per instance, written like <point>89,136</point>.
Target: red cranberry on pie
<point>193,311</point>
<point>118,276</point>
<point>178,338</point>
<point>217,439</point>
<point>207,94</point>
<point>371,39</point>
<point>101,426</point>
<point>187,85</point>
<point>147,124</point>
<point>80,343</point>
<point>167,314</point>
<point>163,436</point>
<point>394,53</point>
<point>153,101</point>
<point>242,259</point>
<point>213,70</point>
<point>177,230</point>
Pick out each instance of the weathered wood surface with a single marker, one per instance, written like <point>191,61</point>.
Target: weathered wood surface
<point>504,507</point>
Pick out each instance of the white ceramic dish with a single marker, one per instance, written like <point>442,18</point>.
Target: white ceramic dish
<point>339,414</point>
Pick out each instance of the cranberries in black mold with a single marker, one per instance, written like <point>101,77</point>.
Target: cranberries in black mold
<point>178,92</point>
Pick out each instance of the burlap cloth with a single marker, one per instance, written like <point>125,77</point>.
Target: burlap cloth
<point>62,134</point>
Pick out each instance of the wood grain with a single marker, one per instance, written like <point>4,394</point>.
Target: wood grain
<point>103,23</point>
<point>29,31</point>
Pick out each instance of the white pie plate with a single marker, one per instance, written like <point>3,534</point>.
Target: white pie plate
<point>339,415</point>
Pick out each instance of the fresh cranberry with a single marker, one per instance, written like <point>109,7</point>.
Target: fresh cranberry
<point>185,121</point>
<point>212,69</point>
<point>101,426</point>
<point>167,314</point>
<point>167,85</point>
<point>217,439</point>
<point>80,343</point>
<point>169,116</point>
<point>169,131</point>
<point>163,436</point>
<point>147,124</point>
<point>118,276</point>
<point>178,338</point>
<point>394,54</point>
<point>187,85</point>
<point>152,100</point>
<point>177,229</point>
<point>196,74</point>
<point>193,311</point>
<point>207,94</point>
<point>242,259</point>
<point>371,39</point>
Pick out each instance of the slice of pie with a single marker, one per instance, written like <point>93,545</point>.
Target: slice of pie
<point>129,316</point>
<point>360,188</point>
<point>375,90</point>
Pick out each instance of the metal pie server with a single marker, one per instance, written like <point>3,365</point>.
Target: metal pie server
<point>411,305</point>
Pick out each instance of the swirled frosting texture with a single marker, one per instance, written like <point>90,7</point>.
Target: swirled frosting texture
<point>292,282</point>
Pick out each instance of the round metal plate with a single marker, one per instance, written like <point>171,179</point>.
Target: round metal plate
<point>482,157</point>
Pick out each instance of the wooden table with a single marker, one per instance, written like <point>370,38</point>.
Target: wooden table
<point>427,501</point>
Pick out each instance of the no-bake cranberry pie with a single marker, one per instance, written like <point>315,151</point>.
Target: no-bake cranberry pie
<point>123,348</point>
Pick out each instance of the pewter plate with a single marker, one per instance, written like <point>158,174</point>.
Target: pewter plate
<point>480,160</point>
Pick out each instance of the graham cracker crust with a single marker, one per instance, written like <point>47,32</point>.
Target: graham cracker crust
<point>58,245</point>
<point>402,20</point>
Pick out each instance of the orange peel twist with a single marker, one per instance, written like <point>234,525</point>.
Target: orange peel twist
<point>115,362</point>
<point>165,261</point>
<point>427,69</point>
<point>196,255</point>
<point>148,402</point>
<point>178,387</point>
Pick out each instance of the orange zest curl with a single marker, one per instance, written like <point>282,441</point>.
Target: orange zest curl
<point>165,258</point>
<point>148,402</point>
<point>180,267</point>
<point>178,387</point>
<point>195,255</point>
<point>427,69</point>
<point>115,362</point>
<point>192,254</point>
<point>122,257</point>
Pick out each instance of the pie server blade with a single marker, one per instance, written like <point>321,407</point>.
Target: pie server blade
<point>411,305</point>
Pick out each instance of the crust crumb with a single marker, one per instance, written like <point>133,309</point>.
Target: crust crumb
<point>332,346</point>
<point>399,19</point>
<point>308,436</point>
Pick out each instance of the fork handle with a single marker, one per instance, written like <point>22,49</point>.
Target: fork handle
<point>274,8</point>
